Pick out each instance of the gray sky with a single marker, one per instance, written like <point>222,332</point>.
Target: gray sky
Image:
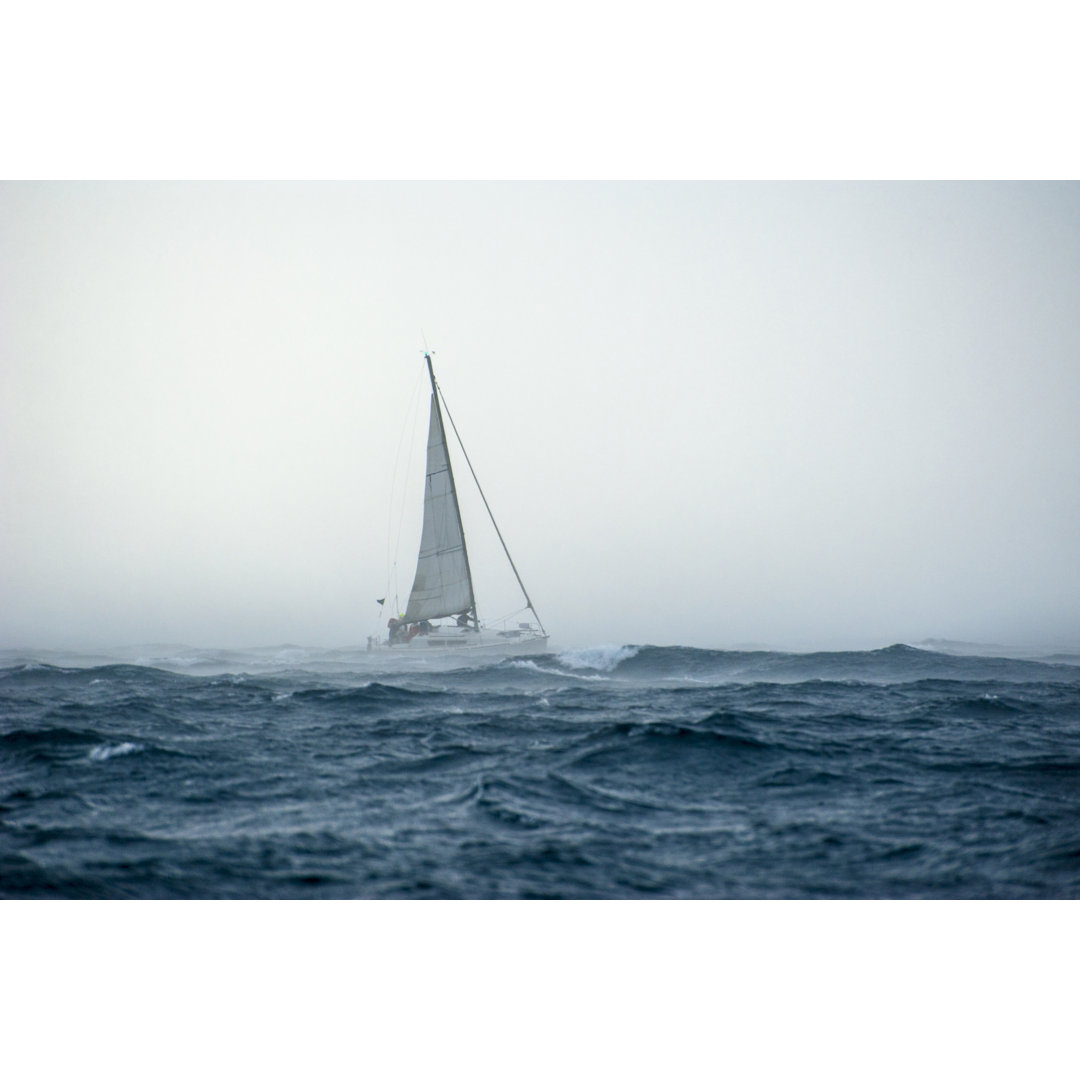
<point>707,413</point>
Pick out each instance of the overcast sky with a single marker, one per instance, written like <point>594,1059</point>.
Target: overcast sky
<point>801,415</point>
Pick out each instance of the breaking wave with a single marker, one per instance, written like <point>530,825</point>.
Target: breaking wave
<point>599,658</point>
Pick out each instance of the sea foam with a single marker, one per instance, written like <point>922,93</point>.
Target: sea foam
<point>599,658</point>
<point>103,753</point>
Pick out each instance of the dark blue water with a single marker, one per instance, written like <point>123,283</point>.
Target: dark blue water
<point>613,773</point>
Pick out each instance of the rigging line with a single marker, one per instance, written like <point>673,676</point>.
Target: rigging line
<point>504,619</point>
<point>498,533</point>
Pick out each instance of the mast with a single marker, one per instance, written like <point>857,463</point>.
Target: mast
<point>453,487</point>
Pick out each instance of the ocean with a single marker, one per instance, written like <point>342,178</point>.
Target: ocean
<point>618,772</point>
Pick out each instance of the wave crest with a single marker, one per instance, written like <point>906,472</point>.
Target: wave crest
<point>103,753</point>
<point>598,658</point>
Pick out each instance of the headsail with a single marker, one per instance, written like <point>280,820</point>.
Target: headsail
<point>443,584</point>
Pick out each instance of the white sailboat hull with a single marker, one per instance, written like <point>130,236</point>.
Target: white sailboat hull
<point>472,644</point>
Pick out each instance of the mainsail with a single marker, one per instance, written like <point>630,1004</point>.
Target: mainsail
<point>443,584</point>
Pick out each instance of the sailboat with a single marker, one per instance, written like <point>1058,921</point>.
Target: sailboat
<point>443,585</point>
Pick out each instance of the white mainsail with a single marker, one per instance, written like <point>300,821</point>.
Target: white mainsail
<point>443,585</point>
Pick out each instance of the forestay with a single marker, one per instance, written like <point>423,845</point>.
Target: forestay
<point>443,585</point>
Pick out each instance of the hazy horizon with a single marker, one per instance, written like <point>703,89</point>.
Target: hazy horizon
<point>801,415</point>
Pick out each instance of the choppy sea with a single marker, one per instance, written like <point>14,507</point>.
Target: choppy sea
<point>615,772</point>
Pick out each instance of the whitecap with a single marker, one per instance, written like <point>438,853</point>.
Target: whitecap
<point>599,658</point>
<point>532,666</point>
<point>103,753</point>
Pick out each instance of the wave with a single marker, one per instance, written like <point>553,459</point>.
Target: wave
<point>532,665</point>
<point>103,753</point>
<point>648,663</point>
<point>599,658</point>
<point>110,674</point>
<point>55,745</point>
<point>896,663</point>
<point>66,745</point>
<point>47,739</point>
